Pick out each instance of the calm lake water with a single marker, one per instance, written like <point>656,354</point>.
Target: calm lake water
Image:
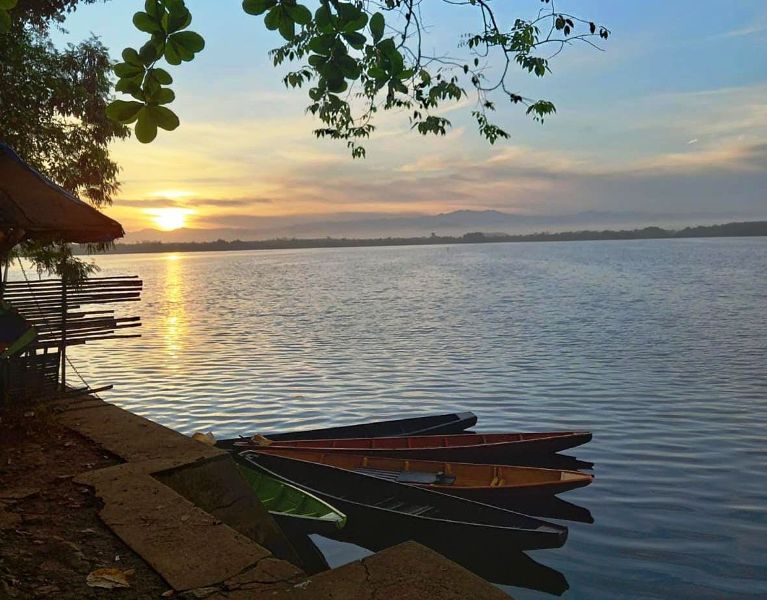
<point>658,347</point>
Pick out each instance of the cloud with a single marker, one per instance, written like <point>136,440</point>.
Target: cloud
<point>671,152</point>
<point>744,31</point>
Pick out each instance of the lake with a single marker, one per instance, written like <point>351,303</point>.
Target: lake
<point>657,346</point>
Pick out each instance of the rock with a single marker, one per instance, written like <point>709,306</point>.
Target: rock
<point>8,520</point>
<point>45,590</point>
<point>15,494</point>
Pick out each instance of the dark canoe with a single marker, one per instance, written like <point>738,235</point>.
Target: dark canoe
<point>492,484</point>
<point>490,448</point>
<point>385,507</point>
<point>436,424</point>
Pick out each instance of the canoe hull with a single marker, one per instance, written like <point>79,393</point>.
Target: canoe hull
<point>488,483</point>
<point>431,425</point>
<point>478,452</point>
<point>356,495</point>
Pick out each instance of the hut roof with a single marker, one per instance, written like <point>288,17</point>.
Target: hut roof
<point>43,210</point>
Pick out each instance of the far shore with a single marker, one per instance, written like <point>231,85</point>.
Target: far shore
<point>741,229</point>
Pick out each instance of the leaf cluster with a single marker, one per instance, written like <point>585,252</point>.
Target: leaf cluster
<point>359,57</point>
<point>166,22</point>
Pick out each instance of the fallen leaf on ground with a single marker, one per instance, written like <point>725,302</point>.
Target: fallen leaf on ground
<point>109,578</point>
<point>205,438</point>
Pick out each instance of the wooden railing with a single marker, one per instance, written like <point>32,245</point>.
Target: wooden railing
<point>67,315</point>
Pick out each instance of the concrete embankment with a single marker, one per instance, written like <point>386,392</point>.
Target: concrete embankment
<point>183,508</point>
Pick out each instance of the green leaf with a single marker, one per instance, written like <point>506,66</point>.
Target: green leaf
<point>151,87</point>
<point>8,4</point>
<point>131,57</point>
<point>5,21</point>
<point>300,14</point>
<point>175,6</point>
<point>337,85</point>
<point>273,18</point>
<point>377,25</point>
<point>144,22</point>
<point>128,70</point>
<point>177,21</point>
<point>189,40</point>
<point>322,44</point>
<point>377,73</point>
<point>324,19</point>
<point>257,7</point>
<point>124,111</point>
<point>172,54</point>
<point>130,86</point>
<point>161,76</point>
<point>163,96</point>
<point>150,52</point>
<point>287,27</point>
<point>163,117</point>
<point>356,40</point>
<point>152,8</point>
<point>146,126</point>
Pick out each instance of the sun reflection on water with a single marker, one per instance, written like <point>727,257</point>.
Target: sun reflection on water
<point>175,318</point>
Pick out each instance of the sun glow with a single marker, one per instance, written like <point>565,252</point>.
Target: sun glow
<point>168,219</point>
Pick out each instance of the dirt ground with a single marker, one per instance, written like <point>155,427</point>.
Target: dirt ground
<point>51,537</point>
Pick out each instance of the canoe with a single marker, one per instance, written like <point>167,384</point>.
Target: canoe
<point>290,505</point>
<point>387,508</point>
<point>435,424</point>
<point>483,483</point>
<point>490,448</point>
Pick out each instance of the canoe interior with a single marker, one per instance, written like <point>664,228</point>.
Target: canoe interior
<point>336,484</point>
<point>281,498</point>
<point>444,476</point>
<point>435,441</point>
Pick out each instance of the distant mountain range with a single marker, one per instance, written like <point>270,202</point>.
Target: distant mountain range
<point>745,229</point>
<point>444,224</point>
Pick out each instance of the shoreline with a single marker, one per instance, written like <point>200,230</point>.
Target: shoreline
<point>94,491</point>
<point>740,229</point>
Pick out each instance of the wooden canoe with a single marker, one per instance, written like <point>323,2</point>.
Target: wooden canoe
<point>483,483</point>
<point>490,448</point>
<point>385,507</point>
<point>430,425</point>
<point>290,505</point>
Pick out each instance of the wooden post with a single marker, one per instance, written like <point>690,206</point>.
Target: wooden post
<point>63,349</point>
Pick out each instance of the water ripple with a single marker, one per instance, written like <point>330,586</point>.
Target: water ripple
<point>659,347</point>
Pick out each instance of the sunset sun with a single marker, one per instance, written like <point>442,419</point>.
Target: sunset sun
<point>168,219</point>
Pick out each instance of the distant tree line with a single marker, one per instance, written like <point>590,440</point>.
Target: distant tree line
<point>744,229</point>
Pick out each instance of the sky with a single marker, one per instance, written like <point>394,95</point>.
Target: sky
<point>668,122</point>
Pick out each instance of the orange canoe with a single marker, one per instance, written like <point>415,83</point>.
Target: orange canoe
<point>474,481</point>
<point>489,448</point>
